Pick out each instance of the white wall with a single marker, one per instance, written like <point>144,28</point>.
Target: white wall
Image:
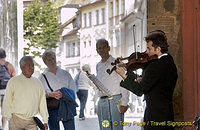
<point>67,13</point>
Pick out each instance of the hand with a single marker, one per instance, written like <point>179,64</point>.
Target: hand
<point>121,72</point>
<point>123,109</point>
<point>139,79</point>
<point>58,94</point>
<point>45,126</point>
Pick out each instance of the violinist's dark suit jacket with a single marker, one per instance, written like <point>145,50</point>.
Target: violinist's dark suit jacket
<point>158,83</point>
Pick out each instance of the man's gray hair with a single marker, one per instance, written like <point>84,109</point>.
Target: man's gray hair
<point>48,53</point>
<point>24,59</point>
<point>86,67</point>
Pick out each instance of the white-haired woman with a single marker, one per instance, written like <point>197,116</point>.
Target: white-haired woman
<point>82,84</point>
<point>57,80</point>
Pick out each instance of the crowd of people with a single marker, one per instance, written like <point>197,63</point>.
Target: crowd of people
<point>53,93</point>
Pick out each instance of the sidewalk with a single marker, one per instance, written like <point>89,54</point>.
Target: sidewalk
<point>91,122</point>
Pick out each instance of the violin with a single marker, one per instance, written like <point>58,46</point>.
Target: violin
<point>136,61</point>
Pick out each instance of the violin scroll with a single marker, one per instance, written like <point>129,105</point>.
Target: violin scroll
<point>109,71</point>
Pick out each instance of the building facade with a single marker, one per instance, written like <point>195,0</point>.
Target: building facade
<point>134,27</point>
<point>93,27</point>
<point>68,51</point>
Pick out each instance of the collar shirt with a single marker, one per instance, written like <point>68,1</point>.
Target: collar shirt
<point>62,79</point>
<point>112,81</point>
<point>165,54</point>
<point>25,97</point>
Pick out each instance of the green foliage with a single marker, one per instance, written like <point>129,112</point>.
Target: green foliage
<point>41,28</point>
<point>58,3</point>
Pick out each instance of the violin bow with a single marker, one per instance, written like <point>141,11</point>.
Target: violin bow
<point>134,41</point>
<point>136,56</point>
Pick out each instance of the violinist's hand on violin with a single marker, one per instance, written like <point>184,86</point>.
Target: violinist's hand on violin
<point>121,72</point>
<point>121,64</point>
<point>139,79</point>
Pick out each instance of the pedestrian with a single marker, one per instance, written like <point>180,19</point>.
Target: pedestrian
<point>112,110</point>
<point>6,72</point>
<point>24,98</point>
<point>83,83</point>
<point>59,85</point>
<point>157,83</point>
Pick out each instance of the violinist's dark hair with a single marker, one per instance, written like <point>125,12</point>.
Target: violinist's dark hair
<point>159,39</point>
<point>102,41</point>
<point>157,31</point>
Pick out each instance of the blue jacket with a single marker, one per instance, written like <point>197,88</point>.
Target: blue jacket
<point>67,107</point>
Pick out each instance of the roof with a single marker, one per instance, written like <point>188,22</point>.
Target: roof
<point>73,31</point>
<point>83,2</point>
<point>70,6</point>
<point>68,22</point>
<point>76,1</point>
<point>90,2</point>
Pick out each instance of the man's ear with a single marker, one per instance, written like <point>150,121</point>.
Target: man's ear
<point>109,48</point>
<point>158,49</point>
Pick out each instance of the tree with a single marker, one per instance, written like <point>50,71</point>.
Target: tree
<point>41,28</point>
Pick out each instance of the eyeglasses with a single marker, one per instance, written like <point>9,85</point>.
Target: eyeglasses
<point>102,48</point>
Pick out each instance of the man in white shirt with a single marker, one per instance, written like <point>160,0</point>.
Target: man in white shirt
<point>25,97</point>
<point>111,110</point>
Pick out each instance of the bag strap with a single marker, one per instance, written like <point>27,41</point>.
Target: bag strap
<point>6,64</point>
<point>47,82</point>
<point>77,79</point>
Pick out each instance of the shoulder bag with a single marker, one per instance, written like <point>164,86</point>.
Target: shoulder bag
<point>52,103</point>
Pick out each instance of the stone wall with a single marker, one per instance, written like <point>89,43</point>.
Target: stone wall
<point>166,15</point>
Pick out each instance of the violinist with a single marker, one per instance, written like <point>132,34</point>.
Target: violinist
<point>108,109</point>
<point>157,83</point>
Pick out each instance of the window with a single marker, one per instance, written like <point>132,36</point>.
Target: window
<point>84,44</point>
<point>85,20</point>
<point>103,15</point>
<point>117,7</point>
<point>111,39</point>
<point>117,38</point>
<point>90,19</point>
<point>90,47</point>
<point>123,7</point>
<point>67,50</point>
<point>73,49</point>
<point>111,9</point>
<point>90,44</point>
<point>78,49</point>
<point>97,17</point>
